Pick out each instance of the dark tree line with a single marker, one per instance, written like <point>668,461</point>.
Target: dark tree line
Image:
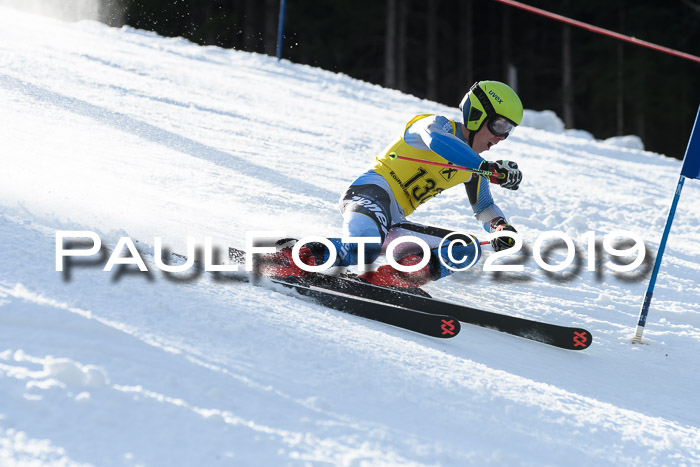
<point>436,48</point>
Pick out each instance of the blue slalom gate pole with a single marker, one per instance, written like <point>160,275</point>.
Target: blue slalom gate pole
<point>280,29</point>
<point>637,339</point>
<point>690,169</point>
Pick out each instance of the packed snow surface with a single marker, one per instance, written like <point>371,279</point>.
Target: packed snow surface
<point>127,134</point>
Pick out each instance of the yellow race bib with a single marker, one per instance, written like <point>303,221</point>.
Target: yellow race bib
<point>414,183</point>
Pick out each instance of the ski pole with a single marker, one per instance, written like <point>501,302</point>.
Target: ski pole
<point>483,173</point>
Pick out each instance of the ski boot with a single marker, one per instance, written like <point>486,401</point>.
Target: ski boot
<point>281,264</point>
<point>410,282</point>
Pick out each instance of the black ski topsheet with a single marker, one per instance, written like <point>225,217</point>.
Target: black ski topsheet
<point>430,324</point>
<point>565,337</point>
<point>570,338</point>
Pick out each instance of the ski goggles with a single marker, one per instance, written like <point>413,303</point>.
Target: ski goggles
<point>500,126</point>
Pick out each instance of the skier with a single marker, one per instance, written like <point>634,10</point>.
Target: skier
<point>377,203</point>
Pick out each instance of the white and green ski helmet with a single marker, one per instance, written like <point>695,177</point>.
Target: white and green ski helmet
<point>487,100</point>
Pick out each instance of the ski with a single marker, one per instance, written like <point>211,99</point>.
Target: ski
<point>570,338</point>
<point>430,324</point>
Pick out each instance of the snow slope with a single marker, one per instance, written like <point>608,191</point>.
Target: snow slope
<point>126,133</point>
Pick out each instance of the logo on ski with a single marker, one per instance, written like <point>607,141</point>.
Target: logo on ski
<point>580,339</point>
<point>448,327</point>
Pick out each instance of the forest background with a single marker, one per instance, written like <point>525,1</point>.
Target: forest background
<point>436,49</point>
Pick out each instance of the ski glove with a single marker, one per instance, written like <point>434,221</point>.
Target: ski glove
<point>502,243</point>
<point>504,173</point>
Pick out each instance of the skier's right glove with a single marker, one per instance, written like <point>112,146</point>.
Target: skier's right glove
<point>504,173</point>
<point>502,243</point>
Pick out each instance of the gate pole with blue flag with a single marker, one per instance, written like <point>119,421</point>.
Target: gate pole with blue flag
<point>690,169</point>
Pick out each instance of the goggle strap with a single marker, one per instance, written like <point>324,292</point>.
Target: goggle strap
<point>484,100</point>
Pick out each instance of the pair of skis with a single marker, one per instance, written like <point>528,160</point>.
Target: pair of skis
<point>418,313</point>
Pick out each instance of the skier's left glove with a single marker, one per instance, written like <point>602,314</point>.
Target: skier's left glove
<point>504,173</point>
<point>502,243</point>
